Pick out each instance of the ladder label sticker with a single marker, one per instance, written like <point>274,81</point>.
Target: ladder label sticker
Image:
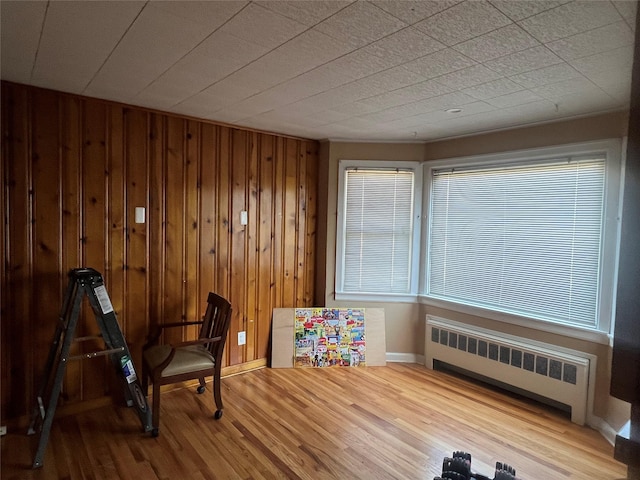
<point>128,370</point>
<point>103,299</point>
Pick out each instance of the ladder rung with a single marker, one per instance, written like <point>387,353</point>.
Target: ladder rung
<point>99,353</point>
<point>90,337</point>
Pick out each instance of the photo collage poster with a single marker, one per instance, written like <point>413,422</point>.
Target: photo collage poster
<point>329,337</point>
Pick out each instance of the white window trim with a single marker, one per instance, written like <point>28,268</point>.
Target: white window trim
<point>416,269</point>
<point>614,169</point>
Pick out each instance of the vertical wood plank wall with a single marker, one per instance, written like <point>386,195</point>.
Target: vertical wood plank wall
<point>74,169</point>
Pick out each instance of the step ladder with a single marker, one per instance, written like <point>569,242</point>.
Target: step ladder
<point>84,281</point>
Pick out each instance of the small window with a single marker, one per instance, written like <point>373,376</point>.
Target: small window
<point>376,230</point>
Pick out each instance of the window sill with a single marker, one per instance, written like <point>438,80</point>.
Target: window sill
<point>589,335</point>
<point>377,297</point>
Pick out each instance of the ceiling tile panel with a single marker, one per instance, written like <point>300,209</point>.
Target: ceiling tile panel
<point>222,46</point>
<point>85,43</point>
<point>513,99</point>
<point>558,90</point>
<point>412,11</point>
<point>262,26</point>
<point>468,77</point>
<point>521,9</point>
<point>498,43</point>
<point>212,14</point>
<point>530,59</point>
<point>359,24</point>
<point>20,26</point>
<point>495,88</point>
<point>307,13</point>
<point>405,45</point>
<point>439,63</point>
<point>463,22</point>
<point>594,41</point>
<point>627,9</point>
<point>570,19</point>
<point>546,75</point>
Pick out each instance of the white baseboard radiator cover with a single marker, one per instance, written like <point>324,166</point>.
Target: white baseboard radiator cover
<point>559,374</point>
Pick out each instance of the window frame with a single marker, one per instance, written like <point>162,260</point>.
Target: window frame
<point>614,173</point>
<point>414,265</point>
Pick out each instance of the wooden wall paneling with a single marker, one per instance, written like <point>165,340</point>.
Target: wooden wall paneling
<point>135,321</point>
<point>17,352</point>
<point>174,235</point>
<point>71,218</point>
<point>265,284</point>
<point>301,225</point>
<point>207,213</point>
<point>93,235</point>
<point>311,211</point>
<point>290,219</point>
<point>46,283</point>
<point>251,232</point>
<point>115,275</point>
<point>156,218</point>
<point>237,295</point>
<point>193,301</point>
<point>4,222</point>
<point>223,220</point>
<point>278,223</point>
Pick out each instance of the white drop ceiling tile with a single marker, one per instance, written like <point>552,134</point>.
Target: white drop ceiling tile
<point>261,26</point>
<point>162,97</point>
<point>20,25</point>
<point>212,14</point>
<point>498,43</point>
<point>463,22</point>
<point>579,104</point>
<point>306,12</point>
<point>196,72</point>
<point>570,19</point>
<point>521,97</point>
<point>468,77</point>
<point>495,88</point>
<point>155,41</point>
<point>405,45</point>
<point>439,63</point>
<point>359,24</point>
<point>412,11</point>
<point>441,102</point>
<point>609,37</point>
<point>423,90</point>
<point>530,59</point>
<point>227,92</point>
<point>354,108</point>
<point>521,9</point>
<point>359,64</point>
<point>394,78</point>
<point>385,100</point>
<point>618,61</point>
<point>313,48</point>
<point>326,116</point>
<point>221,46</point>
<point>547,75</point>
<point>71,53</point>
<point>557,90</point>
<point>627,9</point>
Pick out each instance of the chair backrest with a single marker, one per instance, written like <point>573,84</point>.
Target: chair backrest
<point>216,323</point>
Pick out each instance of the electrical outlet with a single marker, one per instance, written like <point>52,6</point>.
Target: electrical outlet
<point>242,338</point>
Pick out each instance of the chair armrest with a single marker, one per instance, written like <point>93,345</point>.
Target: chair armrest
<point>156,331</point>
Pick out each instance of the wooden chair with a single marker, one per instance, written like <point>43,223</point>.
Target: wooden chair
<point>165,364</point>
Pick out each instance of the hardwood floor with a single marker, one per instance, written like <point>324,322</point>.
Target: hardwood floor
<point>394,422</point>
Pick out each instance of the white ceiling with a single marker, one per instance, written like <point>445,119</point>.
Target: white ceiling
<point>384,70</point>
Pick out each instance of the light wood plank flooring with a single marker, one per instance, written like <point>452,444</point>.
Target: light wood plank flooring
<point>394,422</point>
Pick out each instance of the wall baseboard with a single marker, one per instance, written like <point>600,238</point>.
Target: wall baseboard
<point>405,358</point>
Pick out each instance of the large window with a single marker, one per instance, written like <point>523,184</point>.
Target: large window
<point>376,230</point>
<point>528,237</point>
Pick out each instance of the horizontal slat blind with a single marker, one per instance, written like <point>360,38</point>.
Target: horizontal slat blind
<point>378,226</point>
<point>524,240</point>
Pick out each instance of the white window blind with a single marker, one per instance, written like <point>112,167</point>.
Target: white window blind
<point>520,239</point>
<point>378,231</point>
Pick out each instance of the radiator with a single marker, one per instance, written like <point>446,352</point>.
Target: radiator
<point>559,374</point>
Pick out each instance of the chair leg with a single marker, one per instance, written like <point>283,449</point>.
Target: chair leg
<point>200,389</point>
<point>216,391</point>
<point>155,415</point>
<point>145,380</point>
